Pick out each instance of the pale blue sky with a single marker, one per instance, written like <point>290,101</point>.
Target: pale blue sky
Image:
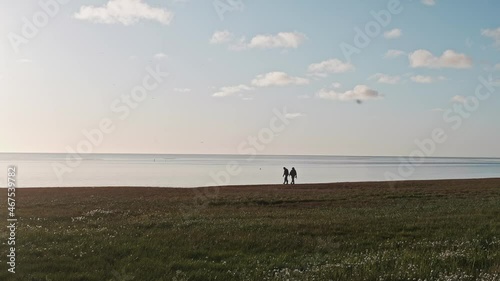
<point>227,74</point>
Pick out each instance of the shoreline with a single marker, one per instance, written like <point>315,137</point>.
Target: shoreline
<point>301,185</point>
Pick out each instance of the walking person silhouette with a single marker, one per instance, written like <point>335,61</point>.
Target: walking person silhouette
<point>293,174</point>
<point>285,175</point>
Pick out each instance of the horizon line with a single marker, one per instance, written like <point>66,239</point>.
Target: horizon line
<point>227,154</point>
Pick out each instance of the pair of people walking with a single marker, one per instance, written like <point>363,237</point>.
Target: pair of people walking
<point>292,173</point>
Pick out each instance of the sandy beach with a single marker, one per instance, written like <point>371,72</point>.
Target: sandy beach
<point>343,231</point>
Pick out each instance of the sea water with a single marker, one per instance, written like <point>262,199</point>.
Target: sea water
<point>57,170</point>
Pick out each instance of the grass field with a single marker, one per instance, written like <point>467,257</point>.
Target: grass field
<point>425,230</point>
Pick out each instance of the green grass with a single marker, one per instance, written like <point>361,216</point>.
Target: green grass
<point>439,230</point>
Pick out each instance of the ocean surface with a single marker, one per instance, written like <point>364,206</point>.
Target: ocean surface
<point>60,170</point>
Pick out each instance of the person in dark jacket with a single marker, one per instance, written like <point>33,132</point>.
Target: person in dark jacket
<point>285,175</point>
<point>293,174</point>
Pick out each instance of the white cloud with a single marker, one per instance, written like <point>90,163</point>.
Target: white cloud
<point>278,79</point>
<point>231,90</point>
<point>390,54</point>
<point>426,79</point>
<point>386,79</point>
<point>263,80</point>
<point>221,37</point>
<point>330,66</point>
<point>359,93</point>
<point>394,33</point>
<point>280,40</point>
<point>449,59</point>
<point>336,85</point>
<point>429,2</point>
<point>422,79</point>
<point>459,99</point>
<point>493,34</point>
<point>182,90</point>
<point>497,66</point>
<point>126,12</point>
<point>160,56</point>
<point>294,115</point>
<point>283,40</point>
<point>239,45</point>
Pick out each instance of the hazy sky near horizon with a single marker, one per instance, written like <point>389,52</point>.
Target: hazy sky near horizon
<point>231,64</point>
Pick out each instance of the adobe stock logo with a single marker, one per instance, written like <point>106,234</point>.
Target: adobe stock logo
<point>223,6</point>
<point>254,144</point>
<point>250,147</point>
<point>372,29</point>
<point>31,26</point>
<point>121,109</point>
<point>454,117</point>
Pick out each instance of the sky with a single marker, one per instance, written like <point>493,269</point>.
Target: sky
<point>324,77</point>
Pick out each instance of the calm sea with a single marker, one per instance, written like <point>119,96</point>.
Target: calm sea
<point>53,170</point>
